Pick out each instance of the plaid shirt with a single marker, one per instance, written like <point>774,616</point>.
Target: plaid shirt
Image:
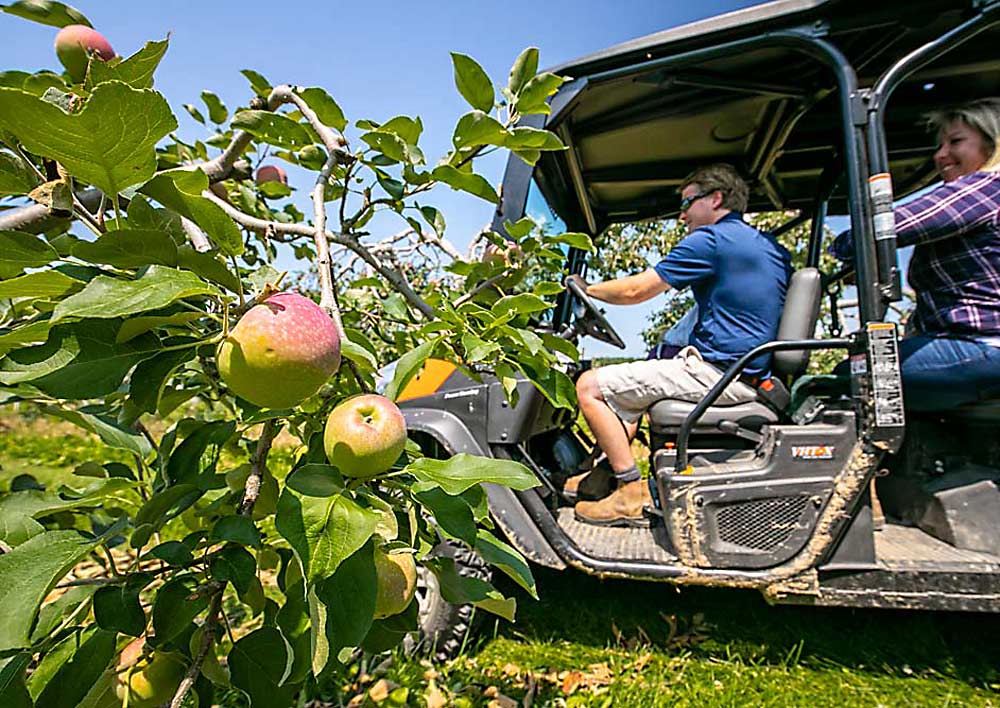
<point>955,268</point>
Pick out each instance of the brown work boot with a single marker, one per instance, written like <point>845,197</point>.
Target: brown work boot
<point>624,507</point>
<point>594,484</point>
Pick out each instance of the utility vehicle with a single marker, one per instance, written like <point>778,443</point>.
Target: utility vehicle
<point>775,494</point>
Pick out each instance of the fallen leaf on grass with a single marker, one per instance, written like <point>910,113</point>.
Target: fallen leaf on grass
<point>435,698</point>
<point>380,690</point>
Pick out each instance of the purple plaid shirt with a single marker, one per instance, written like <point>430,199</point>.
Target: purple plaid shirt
<point>955,268</point>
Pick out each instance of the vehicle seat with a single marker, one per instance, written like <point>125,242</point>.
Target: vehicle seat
<point>798,321</point>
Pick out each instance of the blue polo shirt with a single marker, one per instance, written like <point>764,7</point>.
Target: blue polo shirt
<point>738,276</point>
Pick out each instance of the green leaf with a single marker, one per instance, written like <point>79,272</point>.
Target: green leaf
<point>524,69</point>
<point>134,326</point>
<point>136,71</point>
<point>499,554</point>
<point>408,366</point>
<point>466,182</point>
<point>16,176</point>
<point>109,143</point>
<point>534,96</point>
<point>106,297</point>
<point>521,304</point>
<point>13,693</point>
<point>81,664</point>
<point>258,83</point>
<point>462,471</point>
<point>561,345</point>
<point>117,608</point>
<point>99,366</point>
<point>325,108</point>
<point>129,248</point>
<point>238,529</point>
<point>460,590</point>
<point>316,480</point>
<point>273,128</point>
<point>521,228</point>
<point>435,218</point>
<point>44,284</point>
<point>472,82</point>
<point>167,504</point>
<point>27,575</point>
<point>109,433</point>
<point>217,111</point>
<point>533,139</point>
<point>349,596</point>
<point>194,460</point>
<point>208,266</point>
<point>38,361</point>
<point>235,565</point>
<point>348,349</point>
<point>176,605</point>
<point>451,513</point>
<point>477,349</point>
<point>555,385</point>
<point>20,250</point>
<point>174,553</point>
<point>258,665</point>
<point>180,190</point>
<point>408,129</point>
<point>47,12</point>
<point>576,240</point>
<point>389,144</point>
<point>323,531</point>
<point>194,112</point>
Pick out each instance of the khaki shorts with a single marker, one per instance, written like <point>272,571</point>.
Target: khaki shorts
<point>630,389</point>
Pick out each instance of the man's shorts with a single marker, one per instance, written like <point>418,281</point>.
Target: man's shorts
<point>630,389</point>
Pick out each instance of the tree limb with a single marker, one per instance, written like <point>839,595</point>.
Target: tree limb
<point>327,299</point>
<point>258,466</point>
<point>207,639</point>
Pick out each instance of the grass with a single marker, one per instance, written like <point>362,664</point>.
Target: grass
<point>590,642</point>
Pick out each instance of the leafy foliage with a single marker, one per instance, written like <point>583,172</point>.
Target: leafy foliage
<point>148,249</point>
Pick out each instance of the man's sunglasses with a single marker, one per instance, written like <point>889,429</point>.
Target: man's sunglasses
<point>686,202</point>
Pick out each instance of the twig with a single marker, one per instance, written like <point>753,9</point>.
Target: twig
<point>258,466</point>
<point>488,283</point>
<point>327,299</point>
<point>207,639</point>
<point>195,235</point>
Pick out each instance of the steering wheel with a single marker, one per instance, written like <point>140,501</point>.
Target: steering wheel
<point>589,319</point>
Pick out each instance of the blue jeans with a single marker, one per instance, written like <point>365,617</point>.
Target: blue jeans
<point>941,372</point>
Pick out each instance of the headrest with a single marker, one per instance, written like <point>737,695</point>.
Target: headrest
<point>798,320</point>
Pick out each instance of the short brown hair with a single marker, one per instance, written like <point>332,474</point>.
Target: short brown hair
<point>722,178</point>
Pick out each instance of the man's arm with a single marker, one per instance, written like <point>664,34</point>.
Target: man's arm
<point>631,289</point>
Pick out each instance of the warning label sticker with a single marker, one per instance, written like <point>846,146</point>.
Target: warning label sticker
<point>883,356</point>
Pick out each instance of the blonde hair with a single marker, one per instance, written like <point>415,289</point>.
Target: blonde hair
<point>983,115</point>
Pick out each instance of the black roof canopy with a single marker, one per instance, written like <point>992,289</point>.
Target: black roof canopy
<point>637,122</point>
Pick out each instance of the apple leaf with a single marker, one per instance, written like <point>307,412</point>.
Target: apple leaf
<point>325,108</point>
<point>533,139</point>
<point>472,82</point>
<point>136,71</point>
<point>180,190</point>
<point>520,304</point>
<point>129,248</point>
<point>16,177</point>
<point>176,605</point>
<point>24,336</point>
<point>349,596</point>
<point>217,112</point>
<point>259,663</point>
<point>461,590</point>
<point>234,564</point>
<point>238,529</point>
<point>461,471</point>
<point>258,83</point>
<point>105,297</point>
<point>408,366</point>
<point>117,608</point>
<point>499,554</point>
<point>81,664</point>
<point>109,433</point>
<point>524,69</point>
<point>273,128</point>
<point>451,513</point>
<point>13,693</point>
<point>47,12</point>
<point>323,531</point>
<point>533,97</point>
<point>27,575</point>
<point>20,250</point>
<point>132,328</point>
<point>109,143</point>
<point>46,283</point>
<point>466,182</point>
<point>478,128</point>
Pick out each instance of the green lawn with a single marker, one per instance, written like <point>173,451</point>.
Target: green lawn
<point>616,643</point>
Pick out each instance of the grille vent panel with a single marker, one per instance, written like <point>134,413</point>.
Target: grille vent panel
<point>762,524</point>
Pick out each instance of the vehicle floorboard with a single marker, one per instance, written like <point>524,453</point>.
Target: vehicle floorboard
<point>617,543</point>
<point>907,547</point>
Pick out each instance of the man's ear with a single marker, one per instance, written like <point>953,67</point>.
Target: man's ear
<point>716,198</point>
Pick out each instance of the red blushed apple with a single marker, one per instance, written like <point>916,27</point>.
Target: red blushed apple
<point>74,46</point>
<point>271,173</point>
<point>364,435</point>
<point>280,352</point>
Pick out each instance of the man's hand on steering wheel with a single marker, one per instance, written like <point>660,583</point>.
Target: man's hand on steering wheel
<point>590,319</point>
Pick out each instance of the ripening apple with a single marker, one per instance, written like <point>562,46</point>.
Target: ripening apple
<point>153,684</point>
<point>397,581</point>
<point>75,44</point>
<point>364,435</point>
<point>280,352</point>
<point>271,173</point>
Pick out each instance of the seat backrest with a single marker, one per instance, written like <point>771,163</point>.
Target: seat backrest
<point>798,320</point>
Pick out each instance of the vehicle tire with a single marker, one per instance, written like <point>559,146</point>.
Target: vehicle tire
<point>444,627</point>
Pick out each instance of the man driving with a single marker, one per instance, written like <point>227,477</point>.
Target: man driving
<point>738,276</point>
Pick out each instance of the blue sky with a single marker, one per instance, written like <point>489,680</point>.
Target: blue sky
<point>377,60</point>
